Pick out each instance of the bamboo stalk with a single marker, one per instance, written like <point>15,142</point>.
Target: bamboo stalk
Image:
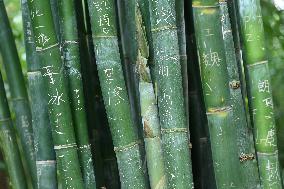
<point>149,112</point>
<point>60,115</point>
<point>259,88</point>
<point>172,114</point>
<point>8,143</point>
<point>215,82</point>
<point>246,150</point>
<point>182,50</point>
<point>69,43</point>
<point>45,155</point>
<point>203,172</point>
<point>19,97</point>
<point>125,140</point>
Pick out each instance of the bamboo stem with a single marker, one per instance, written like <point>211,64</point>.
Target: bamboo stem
<point>19,96</point>
<point>248,164</point>
<point>215,82</point>
<point>70,47</point>
<point>60,115</point>
<point>45,155</point>
<point>260,94</point>
<point>8,143</point>
<point>175,141</point>
<point>125,140</point>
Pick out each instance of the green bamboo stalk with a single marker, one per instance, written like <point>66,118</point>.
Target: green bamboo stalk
<point>215,84</point>
<point>60,115</point>
<point>8,143</point>
<point>19,97</point>
<point>125,139</point>
<point>259,88</point>
<point>45,155</point>
<point>127,25</point>
<point>149,112</point>
<point>174,130</point>
<point>246,150</point>
<point>69,43</point>
<point>202,169</point>
<point>182,50</point>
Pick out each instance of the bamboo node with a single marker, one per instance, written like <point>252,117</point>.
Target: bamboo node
<point>235,84</point>
<point>46,162</point>
<point>246,157</point>
<point>126,147</point>
<point>65,146</point>
<point>174,130</point>
<point>219,110</point>
<point>163,28</point>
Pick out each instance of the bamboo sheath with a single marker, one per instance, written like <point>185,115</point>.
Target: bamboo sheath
<point>149,111</point>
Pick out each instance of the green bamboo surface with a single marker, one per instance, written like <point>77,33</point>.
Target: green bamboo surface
<point>216,92</point>
<point>260,94</point>
<point>182,49</point>
<point>45,155</point>
<point>60,115</point>
<point>19,97</point>
<point>70,50</point>
<point>124,136</point>
<point>248,162</point>
<point>9,147</point>
<point>172,114</point>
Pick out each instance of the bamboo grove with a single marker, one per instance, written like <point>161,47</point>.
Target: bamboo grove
<point>137,94</point>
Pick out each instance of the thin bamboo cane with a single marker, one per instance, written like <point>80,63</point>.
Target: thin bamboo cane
<point>19,97</point>
<point>260,94</point>
<point>175,141</point>
<point>248,163</point>
<point>126,144</point>
<point>70,47</point>
<point>45,155</point>
<point>9,146</point>
<point>60,115</point>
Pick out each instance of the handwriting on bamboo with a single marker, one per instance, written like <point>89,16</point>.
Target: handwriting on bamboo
<point>211,58</point>
<point>167,102</point>
<point>104,18</point>
<point>78,107</point>
<point>114,94</point>
<point>273,174</point>
<point>163,15</point>
<point>270,138</point>
<point>56,98</point>
<point>49,73</point>
<point>250,22</point>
